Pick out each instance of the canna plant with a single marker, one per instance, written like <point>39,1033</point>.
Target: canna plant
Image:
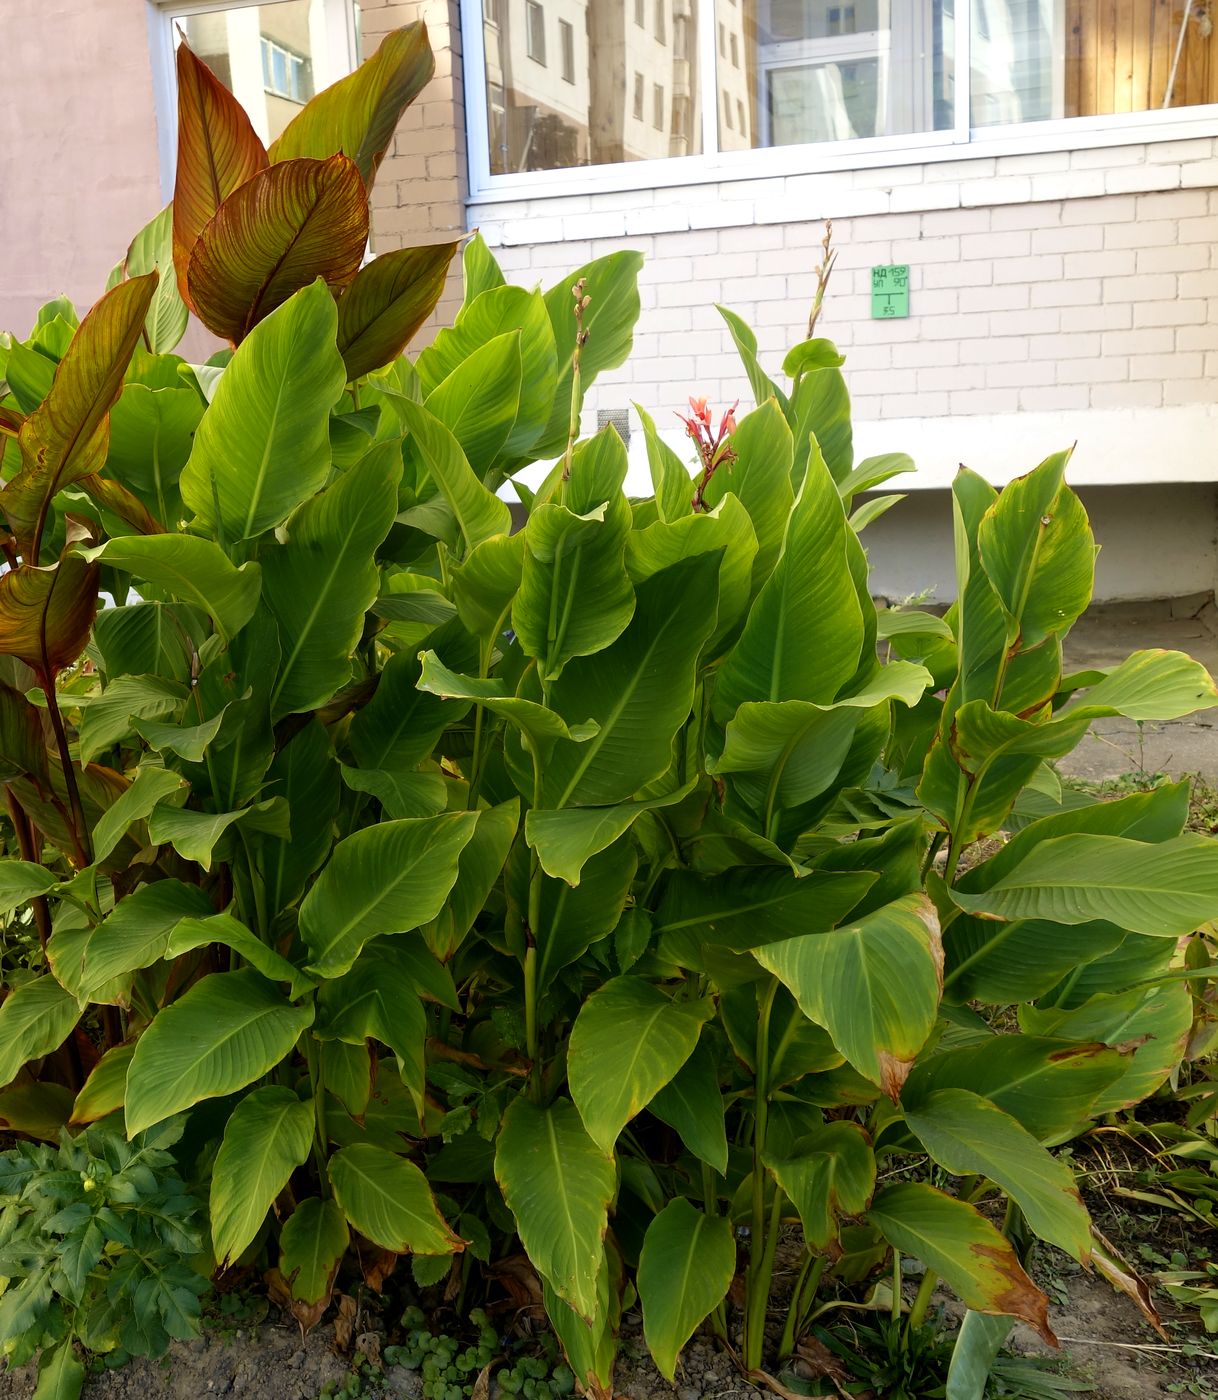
<point>616,889</point>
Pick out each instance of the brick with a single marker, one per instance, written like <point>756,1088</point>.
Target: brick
<point>1115,262</point>
<point>1193,149</point>
<point>1065,345</point>
<point>923,405</point>
<point>925,354</point>
<point>1202,172</point>
<point>1126,395</point>
<point>1083,292</point>
<point>1153,287</point>
<point>1106,157</point>
<point>1034,163</point>
<point>1170,313</point>
<point>925,197</point>
<point>1023,374</point>
<point>1147,340</point>
<point>996,351</point>
<point>733,240</point>
<point>955,221</point>
<point>1014,243</point>
<point>1113,369</point>
<point>1144,233</point>
<point>1007,189</point>
<point>926,250</point>
<point>888,381</point>
<point>1197,337</point>
<point>1042,267</point>
<point>973,168</point>
<point>1186,258</point>
<point>1031,216</point>
<point>962,327</point>
<point>666,219</point>
<point>1074,184</point>
<point>1007,298</point>
<point>1076,239</point>
<point>973,401</point>
<point>952,377</point>
<point>1131,178</point>
<point>535,230</point>
<point>1199,284</point>
<point>594,225</point>
<point>1044,321</point>
<point>1104,211</point>
<point>719,215</point>
<point>1052,398</point>
<point>962,274</point>
<point>1190,391</point>
<point>1185,366</point>
<point>1203,230</point>
<point>1185,204</point>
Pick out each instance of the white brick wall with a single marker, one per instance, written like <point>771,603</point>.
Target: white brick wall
<point>1107,299</point>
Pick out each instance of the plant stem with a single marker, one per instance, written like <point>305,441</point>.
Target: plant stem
<point>80,827</point>
<point>921,1302</point>
<point>321,1134</point>
<point>530,1017</point>
<point>25,843</point>
<point>757,1287</point>
<point>787,1345</point>
<point>896,1285</point>
<point>807,1308</point>
<point>581,337</point>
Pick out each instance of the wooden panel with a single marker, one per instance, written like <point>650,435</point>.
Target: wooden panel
<point>1119,57</point>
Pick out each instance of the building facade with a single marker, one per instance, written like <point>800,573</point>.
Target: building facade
<point>1047,169</point>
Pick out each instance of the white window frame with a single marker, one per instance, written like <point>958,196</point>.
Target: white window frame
<point>959,142</point>
<point>341,53</point>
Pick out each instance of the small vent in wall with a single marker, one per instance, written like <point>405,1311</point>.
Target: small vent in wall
<point>619,417</point>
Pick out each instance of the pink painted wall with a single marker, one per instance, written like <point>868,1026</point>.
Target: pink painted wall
<point>78,149</point>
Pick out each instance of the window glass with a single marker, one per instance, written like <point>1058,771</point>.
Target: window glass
<point>1037,59</point>
<point>661,25</point>
<point>535,34</point>
<point>553,121</point>
<point>268,56</point>
<point>567,35</point>
<point>834,70</point>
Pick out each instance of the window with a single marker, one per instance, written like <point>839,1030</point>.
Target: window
<point>490,12</point>
<point>535,31</point>
<point>272,57</point>
<point>900,74</point>
<point>566,34</point>
<point>657,107</point>
<point>286,74</point>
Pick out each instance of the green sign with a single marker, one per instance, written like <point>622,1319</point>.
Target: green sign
<point>889,292</point>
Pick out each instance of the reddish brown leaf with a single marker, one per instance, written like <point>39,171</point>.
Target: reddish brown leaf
<point>10,421</point>
<point>387,303</point>
<point>67,435</point>
<point>359,114</point>
<point>282,230</point>
<point>1125,1279</point>
<point>218,150</point>
<point>344,1321</point>
<point>115,497</point>
<point>46,613</point>
<point>307,1315</point>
